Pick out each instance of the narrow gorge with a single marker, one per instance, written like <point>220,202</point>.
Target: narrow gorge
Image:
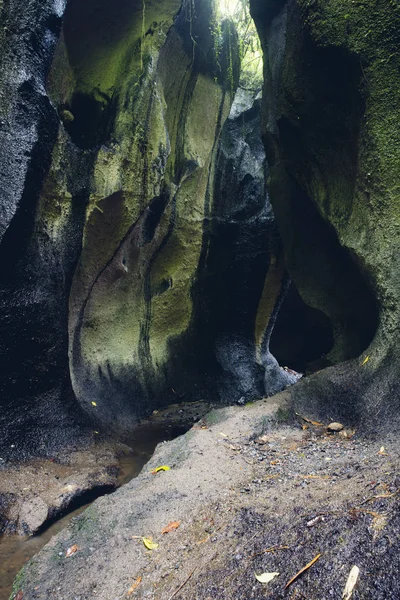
<point>199,232</point>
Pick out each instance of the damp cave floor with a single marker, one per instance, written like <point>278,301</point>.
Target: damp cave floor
<point>252,493</point>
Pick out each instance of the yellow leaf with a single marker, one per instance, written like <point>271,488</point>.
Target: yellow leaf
<point>162,468</point>
<point>266,577</point>
<point>71,550</point>
<point>94,403</point>
<point>134,586</point>
<point>150,545</point>
<point>96,432</point>
<point>223,434</point>
<point>171,526</point>
<point>364,362</point>
<point>351,582</point>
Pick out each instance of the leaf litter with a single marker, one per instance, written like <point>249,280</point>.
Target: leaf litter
<point>171,526</point>
<point>351,583</point>
<point>266,577</point>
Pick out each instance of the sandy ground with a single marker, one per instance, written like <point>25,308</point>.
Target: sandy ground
<point>245,506</point>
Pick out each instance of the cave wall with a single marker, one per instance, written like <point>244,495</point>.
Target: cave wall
<point>241,271</point>
<point>115,218</point>
<point>331,131</point>
<point>38,251</point>
<point>131,299</point>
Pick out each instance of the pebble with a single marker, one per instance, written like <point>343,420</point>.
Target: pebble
<point>262,440</point>
<point>335,427</point>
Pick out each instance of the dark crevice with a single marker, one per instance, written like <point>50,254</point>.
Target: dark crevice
<point>81,500</point>
<point>302,336</point>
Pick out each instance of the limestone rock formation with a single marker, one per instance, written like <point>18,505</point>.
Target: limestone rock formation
<point>115,215</point>
<point>331,131</point>
<point>40,233</point>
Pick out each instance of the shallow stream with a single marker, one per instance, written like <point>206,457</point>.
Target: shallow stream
<point>16,550</point>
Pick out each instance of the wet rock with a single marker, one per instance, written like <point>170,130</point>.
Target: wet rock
<point>33,514</point>
<point>32,493</point>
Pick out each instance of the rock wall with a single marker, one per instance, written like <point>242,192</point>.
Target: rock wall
<point>39,248</point>
<point>331,130</point>
<point>131,300</point>
<point>242,269</point>
<point>118,231</point>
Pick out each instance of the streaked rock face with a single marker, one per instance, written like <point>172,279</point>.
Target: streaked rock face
<point>331,130</point>
<point>116,221</point>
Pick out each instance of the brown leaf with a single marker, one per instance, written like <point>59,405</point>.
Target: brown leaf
<point>171,526</point>
<point>71,550</point>
<point>310,564</point>
<point>315,423</point>
<point>19,596</point>
<point>134,586</point>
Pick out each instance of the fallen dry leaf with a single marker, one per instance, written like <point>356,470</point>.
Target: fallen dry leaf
<point>310,564</point>
<point>266,577</point>
<point>158,469</point>
<point>351,582</point>
<point>150,545</point>
<point>223,434</point>
<point>134,586</point>
<point>382,451</point>
<point>71,550</point>
<point>315,423</point>
<point>364,362</point>
<point>19,596</point>
<point>171,526</point>
<point>94,403</point>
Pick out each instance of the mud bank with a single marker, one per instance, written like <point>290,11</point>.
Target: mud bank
<point>242,481</point>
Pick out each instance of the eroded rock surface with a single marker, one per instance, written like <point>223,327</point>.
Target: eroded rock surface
<point>33,493</point>
<point>331,131</point>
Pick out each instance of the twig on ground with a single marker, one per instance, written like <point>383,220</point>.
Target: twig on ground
<point>272,549</point>
<point>379,497</point>
<point>182,584</point>
<point>310,564</point>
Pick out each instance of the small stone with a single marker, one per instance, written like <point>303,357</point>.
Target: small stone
<point>347,433</point>
<point>335,427</point>
<point>262,440</point>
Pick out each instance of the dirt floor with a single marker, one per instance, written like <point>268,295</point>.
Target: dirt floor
<point>249,490</point>
<point>34,492</point>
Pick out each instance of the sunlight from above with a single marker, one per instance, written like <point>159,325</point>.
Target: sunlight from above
<point>229,8</point>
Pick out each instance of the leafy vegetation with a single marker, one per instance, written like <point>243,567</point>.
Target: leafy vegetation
<point>251,71</point>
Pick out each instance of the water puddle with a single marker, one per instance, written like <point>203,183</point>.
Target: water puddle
<point>16,550</point>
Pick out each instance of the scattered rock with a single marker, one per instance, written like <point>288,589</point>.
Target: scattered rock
<point>262,440</point>
<point>335,427</point>
<point>347,433</point>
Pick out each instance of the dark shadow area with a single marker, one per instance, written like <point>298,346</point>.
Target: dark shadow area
<point>89,125</point>
<point>302,336</point>
<point>80,500</point>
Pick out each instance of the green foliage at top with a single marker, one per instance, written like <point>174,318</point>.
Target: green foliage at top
<point>238,11</point>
